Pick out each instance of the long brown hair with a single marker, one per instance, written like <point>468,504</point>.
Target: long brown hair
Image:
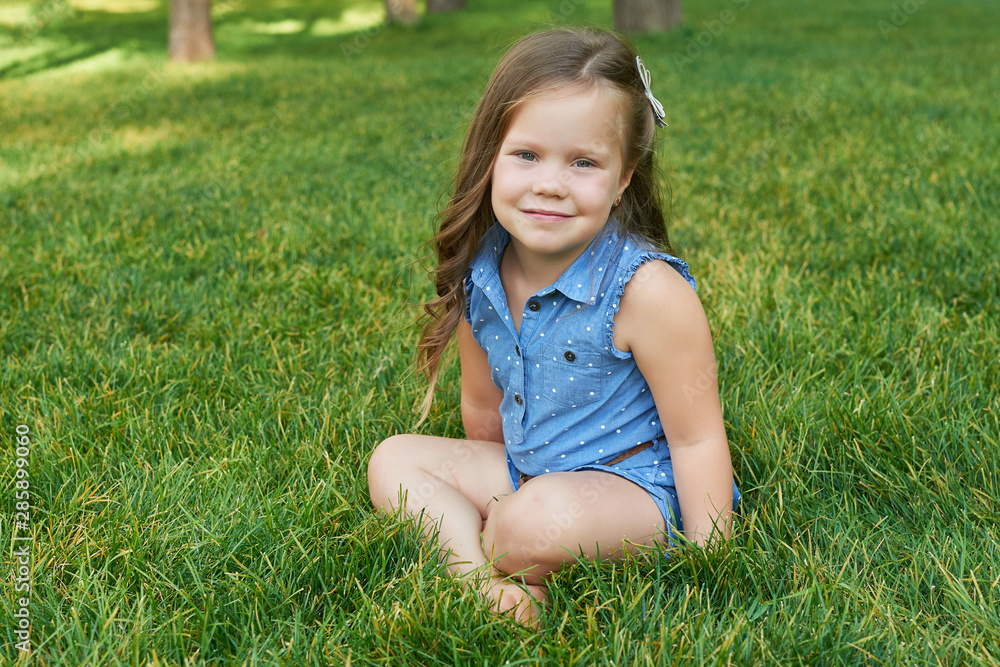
<point>539,63</point>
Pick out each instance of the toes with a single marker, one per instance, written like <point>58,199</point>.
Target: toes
<point>523,604</point>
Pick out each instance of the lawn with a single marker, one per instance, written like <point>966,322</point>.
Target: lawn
<point>209,277</point>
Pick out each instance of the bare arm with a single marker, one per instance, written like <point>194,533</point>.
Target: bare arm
<point>480,397</point>
<point>662,322</point>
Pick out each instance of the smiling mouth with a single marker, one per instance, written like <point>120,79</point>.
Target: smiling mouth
<point>545,215</point>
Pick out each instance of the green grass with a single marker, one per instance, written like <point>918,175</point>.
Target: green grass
<point>208,278</point>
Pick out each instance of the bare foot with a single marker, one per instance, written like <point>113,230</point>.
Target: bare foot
<point>522,602</point>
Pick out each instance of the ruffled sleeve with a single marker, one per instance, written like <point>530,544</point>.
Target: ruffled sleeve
<point>625,272</point>
<point>468,296</point>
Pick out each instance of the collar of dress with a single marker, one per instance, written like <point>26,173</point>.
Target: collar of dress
<point>579,282</point>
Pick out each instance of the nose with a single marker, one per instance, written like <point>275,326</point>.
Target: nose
<point>551,184</point>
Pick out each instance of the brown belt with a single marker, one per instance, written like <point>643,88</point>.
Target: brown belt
<point>618,459</point>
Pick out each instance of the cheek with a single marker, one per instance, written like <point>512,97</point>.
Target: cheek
<point>598,196</point>
<point>496,183</point>
<point>505,185</point>
<point>496,191</point>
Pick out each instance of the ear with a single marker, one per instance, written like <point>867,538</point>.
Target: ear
<point>626,179</point>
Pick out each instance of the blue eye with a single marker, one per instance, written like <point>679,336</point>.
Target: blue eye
<point>583,163</point>
<point>525,155</point>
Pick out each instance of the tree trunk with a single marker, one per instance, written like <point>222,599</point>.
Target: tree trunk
<point>191,30</point>
<point>637,16</point>
<point>445,5</point>
<point>401,11</point>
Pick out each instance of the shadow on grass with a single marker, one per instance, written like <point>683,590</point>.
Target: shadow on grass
<point>86,35</point>
<point>251,29</point>
<point>309,29</point>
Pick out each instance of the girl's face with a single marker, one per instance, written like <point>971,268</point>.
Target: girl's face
<point>558,171</point>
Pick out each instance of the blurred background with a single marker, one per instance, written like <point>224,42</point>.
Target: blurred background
<point>212,256</point>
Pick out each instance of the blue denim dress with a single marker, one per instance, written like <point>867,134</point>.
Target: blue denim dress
<point>571,399</point>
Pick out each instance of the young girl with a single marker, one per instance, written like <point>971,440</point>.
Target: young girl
<point>589,392</point>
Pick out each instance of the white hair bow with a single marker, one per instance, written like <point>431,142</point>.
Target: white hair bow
<point>657,107</point>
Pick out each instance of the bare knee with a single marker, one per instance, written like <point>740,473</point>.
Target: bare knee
<point>386,470</point>
<point>529,531</point>
<point>413,464</point>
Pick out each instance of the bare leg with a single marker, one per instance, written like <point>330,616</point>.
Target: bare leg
<point>554,518</point>
<point>508,544</point>
<point>451,486</point>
